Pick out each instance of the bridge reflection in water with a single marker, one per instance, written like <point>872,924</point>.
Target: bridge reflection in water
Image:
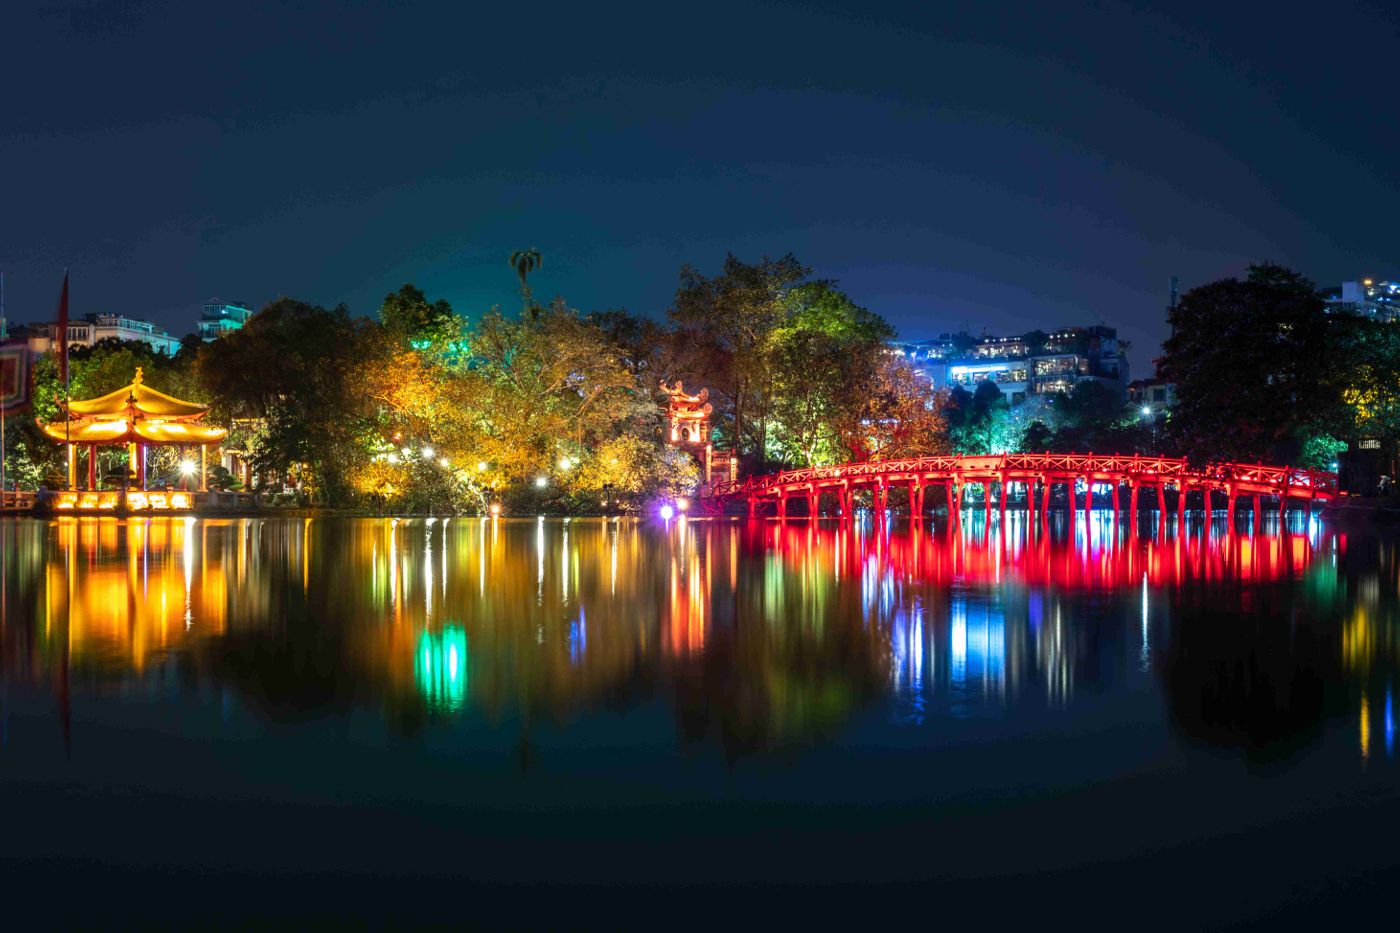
<point>757,636</point>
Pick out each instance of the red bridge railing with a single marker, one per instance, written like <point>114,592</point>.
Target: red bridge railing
<point>1045,469</point>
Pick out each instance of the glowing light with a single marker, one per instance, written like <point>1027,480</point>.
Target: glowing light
<point>428,452</point>
<point>187,467</point>
<point>393,458</point>
<point>1147,409</point>
<point>667,512</point>
<point>565,463</point>
<point>541,481</point>
<point>481,466</point>
<point>682,504</point>
<point>495,509</point>
<point>444,463</point>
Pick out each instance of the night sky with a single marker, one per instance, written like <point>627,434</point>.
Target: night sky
<point>997,166</point>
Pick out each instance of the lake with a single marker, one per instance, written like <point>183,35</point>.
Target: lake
<point>600,723</point>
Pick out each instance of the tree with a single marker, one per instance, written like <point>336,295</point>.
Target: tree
<point>286,370</point>
<point>1249,364</point>
<point>525,261</point>
<point>823,364</point>
<point>899,414</point>
<point>408,314</point>
<point>972,417</point>
<point>733,315</point>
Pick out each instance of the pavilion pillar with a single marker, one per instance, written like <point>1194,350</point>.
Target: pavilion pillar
<point>92,466</point>
<point>203,468</point>
<point>72,466</point>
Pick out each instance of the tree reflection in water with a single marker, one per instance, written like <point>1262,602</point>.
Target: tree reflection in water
<point>761,637</point>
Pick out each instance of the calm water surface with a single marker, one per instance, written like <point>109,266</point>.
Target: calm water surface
<point>386,720</point>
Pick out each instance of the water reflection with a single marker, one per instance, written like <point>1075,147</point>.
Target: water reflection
<point>758,637</point>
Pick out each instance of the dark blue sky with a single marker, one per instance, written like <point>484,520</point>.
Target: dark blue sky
<point>1007,166</point>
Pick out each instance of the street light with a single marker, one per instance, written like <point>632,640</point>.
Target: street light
<point>1147,411</point>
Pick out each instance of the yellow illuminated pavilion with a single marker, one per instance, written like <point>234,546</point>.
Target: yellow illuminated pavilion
<point>138,417</point>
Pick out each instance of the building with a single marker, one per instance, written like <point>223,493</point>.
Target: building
<point>1378,301</point>
<point>1155,393</point>
<point>220,317</point>
<point>95,328</point>
<point>1034,363</point>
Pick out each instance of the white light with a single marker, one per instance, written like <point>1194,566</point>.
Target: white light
<point>1147,409</point>
<point>495,509</point>
<point>481,466</point>
<point>565,463</point>
<point>540,481</point>
<point>408,451</point>
<point>667,512</point>
<point>682,504</point>
<point>393,458</point>
<point>187,467</point>
<point>427,451</point>
<point>444,463</point>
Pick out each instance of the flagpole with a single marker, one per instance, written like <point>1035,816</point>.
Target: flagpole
<point>4,334</point>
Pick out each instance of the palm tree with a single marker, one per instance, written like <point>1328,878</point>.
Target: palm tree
<point>525,261</point>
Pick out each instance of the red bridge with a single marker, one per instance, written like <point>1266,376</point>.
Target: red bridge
<point>1031,472</point>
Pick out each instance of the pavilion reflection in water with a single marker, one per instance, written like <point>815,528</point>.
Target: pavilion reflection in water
<point>758,635</point>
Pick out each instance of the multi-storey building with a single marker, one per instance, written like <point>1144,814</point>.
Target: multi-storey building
<point>220,317</point>
<point>1379,301</point>
<point>98,327</point>
<point>1033,363</point>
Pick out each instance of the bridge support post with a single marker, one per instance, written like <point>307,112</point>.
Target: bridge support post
<point>843,498</point>
<point>1230,506</point>
<point>1258,506</point>
<point>814,498</point>
<point>753,506</point>
<point>1116,507</point>
<point>1088,497</point>
<point>987,500</point>
<point>1133,501</point>
<point>1181,504</point>
<point>916,499</point>
<point>1003,496</point>
<point>1283,510</point>
<point>1209,509</point>
<point>882,499</point>
<point>1045,497</point>
<point>782,504</point>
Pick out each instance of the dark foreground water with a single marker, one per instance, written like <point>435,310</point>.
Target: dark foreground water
<point>612,724</point>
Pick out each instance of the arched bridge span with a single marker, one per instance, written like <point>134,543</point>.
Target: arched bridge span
<point>1036,474</point>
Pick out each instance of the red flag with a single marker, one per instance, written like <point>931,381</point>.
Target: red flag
<point>63,331</point>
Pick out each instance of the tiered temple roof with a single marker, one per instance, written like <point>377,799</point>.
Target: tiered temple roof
<point>138,414</point>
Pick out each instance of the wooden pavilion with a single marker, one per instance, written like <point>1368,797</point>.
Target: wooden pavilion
<point>137,417</point>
